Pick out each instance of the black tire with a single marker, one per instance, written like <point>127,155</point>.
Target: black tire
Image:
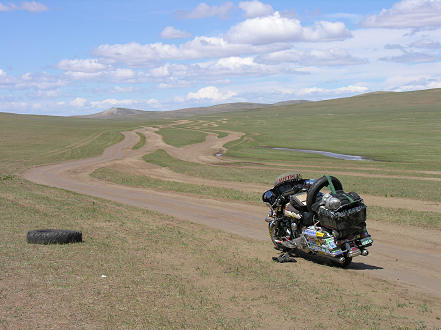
<point>54,236</point>
<point>317,186</point>
<point>346,263</point>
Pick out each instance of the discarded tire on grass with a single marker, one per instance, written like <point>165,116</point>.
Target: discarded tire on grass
<point>54,236</point>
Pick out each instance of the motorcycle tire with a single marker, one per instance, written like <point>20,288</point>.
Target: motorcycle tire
<point>346,263</point>
<point>317,186</point>
<point>54,236</point>
<point>272,228</point>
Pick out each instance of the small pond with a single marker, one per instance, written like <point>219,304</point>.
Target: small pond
<point>324,153</point>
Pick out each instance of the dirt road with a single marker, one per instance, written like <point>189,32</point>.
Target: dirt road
<point>409,257</point>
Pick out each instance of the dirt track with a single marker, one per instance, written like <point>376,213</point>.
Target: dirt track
<point>204,153</point>
<point>403,255</point>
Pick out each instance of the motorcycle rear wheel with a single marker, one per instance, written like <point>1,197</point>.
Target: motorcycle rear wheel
<point>347,262</point>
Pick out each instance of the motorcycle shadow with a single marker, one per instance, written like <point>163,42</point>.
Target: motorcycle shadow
<point>363,266</point>
<point>318,259</point>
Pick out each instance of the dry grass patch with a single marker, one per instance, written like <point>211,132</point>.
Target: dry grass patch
<point>166,273</point>
<point>115,176</point>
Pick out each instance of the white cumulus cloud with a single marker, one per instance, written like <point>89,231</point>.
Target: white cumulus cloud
<point>120,89</point>
<point>33,6</point>
<point>153,103</point>
<point>39,81</point>
<point>135,54</point>
<point>86,65</point>
<point>29,6</point>
<point>421,83</point>
<point>93,69</point>
<point>121,74</point>
<point>216,72</point>
<point>351,89</point>
<point>112,103</point>
<point>275,28</point>
<point>314,57</point>
<point>203,10</point>
<point>408,14</point>
<point>412,57</point>
<point>255,8</point>
<point>78,102</point>
<point>210,93</point>
<point>170,32</point>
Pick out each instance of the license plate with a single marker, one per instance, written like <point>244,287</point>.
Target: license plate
<point>366,240</point>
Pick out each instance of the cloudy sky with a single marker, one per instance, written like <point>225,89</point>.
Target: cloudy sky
<point>80,57</point>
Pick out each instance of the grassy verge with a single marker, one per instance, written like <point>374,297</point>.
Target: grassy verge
<point>354,169</point>
<point>400,216</point>
<point>33,140</point>
<point>407,188</point>
<point>118,177</point>
<point>162,158</point>
<point>179,137</point>
<point>220,134</point>
<point>201,126</point>
<point>141,141</point>
<point>415,189</point>
<point>391,215</point>
<point>164,273</point>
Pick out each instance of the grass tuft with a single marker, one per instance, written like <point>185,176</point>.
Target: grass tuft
<point>141,141</point>
<point>179,137</point>
<point>133,180</point>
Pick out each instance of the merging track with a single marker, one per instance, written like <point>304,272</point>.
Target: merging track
<point>403,255</point>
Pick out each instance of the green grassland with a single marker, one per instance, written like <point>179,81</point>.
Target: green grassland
<point>141,141</point>
<point>388,187</point>
<point>406,217</point>
<point>397,216</point>
<point>111,175</point>
<point>162,158</point>
<point>34,140</point>
<point>397,130</point>
<point>166,273</point>
<point>179,137</point>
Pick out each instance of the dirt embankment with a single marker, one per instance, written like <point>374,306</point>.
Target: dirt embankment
<point>403,255</point>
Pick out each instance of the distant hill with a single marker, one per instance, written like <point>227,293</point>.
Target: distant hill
<point>377,93</point>
<point>226,107</point>
<point>291,102</point>
<point>125,113</point>
<point>119,113</point>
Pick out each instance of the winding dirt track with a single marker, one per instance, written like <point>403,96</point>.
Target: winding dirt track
<point>409,257</point>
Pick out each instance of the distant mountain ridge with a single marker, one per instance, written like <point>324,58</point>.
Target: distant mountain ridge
<point>117,112</point>
<point>126,113</point>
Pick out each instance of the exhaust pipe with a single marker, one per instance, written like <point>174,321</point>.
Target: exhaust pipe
<point>364,253</point>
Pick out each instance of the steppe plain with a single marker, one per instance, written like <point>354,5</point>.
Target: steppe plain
<point>171,216</point>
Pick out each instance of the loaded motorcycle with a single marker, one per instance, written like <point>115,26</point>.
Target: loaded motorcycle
<point>332,225</point>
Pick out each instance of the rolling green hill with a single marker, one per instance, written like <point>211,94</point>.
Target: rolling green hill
<point>394,129</point>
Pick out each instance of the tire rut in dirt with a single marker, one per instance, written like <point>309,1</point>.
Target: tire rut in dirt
<point>54,236</point>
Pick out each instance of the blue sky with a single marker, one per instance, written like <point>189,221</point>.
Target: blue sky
<point>80,57</point>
